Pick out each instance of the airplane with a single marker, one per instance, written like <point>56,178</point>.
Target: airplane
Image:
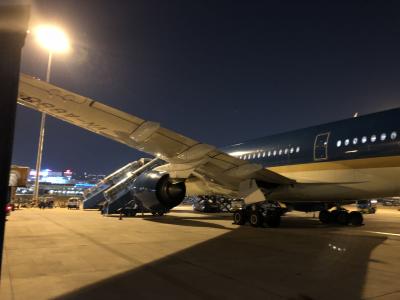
<point>311,169</point>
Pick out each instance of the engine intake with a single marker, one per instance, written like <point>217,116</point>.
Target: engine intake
<point>157,192</point>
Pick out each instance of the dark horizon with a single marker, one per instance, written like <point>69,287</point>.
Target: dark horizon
<point>219,72</point>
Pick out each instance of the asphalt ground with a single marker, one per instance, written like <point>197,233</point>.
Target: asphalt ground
<point>67,254</point>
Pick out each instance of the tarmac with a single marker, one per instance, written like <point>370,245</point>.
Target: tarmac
<point>67,254</point>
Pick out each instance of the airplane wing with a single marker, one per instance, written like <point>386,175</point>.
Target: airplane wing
<point>183,154</point>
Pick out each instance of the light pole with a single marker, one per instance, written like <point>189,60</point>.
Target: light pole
<point>54,40</point>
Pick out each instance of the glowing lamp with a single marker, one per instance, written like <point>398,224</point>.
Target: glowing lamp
<point>52,38</point>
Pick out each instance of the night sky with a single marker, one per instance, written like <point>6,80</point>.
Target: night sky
<point>217,71</point>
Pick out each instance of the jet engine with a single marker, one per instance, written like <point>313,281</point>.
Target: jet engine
<point>157,191</point>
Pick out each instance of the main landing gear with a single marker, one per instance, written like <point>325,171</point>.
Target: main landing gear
<point>341,216</point>
<point>259,215</point>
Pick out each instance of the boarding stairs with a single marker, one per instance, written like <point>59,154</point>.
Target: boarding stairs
<point>94,196</point>
<point>119,195</point>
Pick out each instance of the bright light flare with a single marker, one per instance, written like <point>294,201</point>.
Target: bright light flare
<point>52,38</point>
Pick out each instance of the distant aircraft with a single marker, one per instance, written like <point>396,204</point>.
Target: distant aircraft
<point>311,169</point>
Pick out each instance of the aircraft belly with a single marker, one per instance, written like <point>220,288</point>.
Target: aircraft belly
<point>336,185</point>
<point>323,176</point>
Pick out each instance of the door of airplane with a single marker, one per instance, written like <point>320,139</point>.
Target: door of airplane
<point>321,146</point>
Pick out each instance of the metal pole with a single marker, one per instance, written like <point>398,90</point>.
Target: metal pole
<point>49,66</point>
<point>41,137</point>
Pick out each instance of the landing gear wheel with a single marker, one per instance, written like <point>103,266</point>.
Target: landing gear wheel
<point>356,218</point>
<point>343,217</point>
<point>334,216</point>
<point>256,219</point>
<point>325,216</point>
<point>273,219</point>
<point>239,217</point>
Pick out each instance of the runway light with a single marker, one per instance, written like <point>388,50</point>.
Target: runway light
<point>52,38</point>
<point>336,248</point>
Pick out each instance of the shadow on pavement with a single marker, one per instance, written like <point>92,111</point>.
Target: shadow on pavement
<point>250,263</point>
<point>201,221</point>
<point>190,221</point>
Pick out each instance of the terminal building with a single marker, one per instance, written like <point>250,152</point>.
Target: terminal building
<point>59,183</point>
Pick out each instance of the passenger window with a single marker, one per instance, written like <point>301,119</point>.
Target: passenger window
<point>355,141</point>
<point>259,155</point>
<point>338,143</point>
<point>274,152</point>
<point>269,153</point>
<point>346,142</point>
<point>373,138</point>
<point>393,135</point>
<point>383,137</point>
<point>280,151</point>
<point>264,154</point>
<point>286,151</point>
<point>254,155</point>
<point>297,149</point>
<point>364,139</point>
<point>291,150</point>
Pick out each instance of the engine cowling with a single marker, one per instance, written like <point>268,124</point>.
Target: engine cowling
<point>157,192</point>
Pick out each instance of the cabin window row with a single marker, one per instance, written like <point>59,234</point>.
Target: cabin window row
<point>373,138</point>
<point>260,154</point>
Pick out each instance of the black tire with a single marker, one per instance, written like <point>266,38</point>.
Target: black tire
<point>256,219</point>
<point>343,218</point>
<point>334,216</point>
<point>273,219</point>
<point>239,217</point>
<point>356,218</point>
<point>325,216</point>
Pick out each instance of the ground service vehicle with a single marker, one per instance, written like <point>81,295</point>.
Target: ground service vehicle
<point>367,206</point>
<point>73,203</point>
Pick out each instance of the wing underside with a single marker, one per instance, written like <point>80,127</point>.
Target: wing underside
<point>181,152</point>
